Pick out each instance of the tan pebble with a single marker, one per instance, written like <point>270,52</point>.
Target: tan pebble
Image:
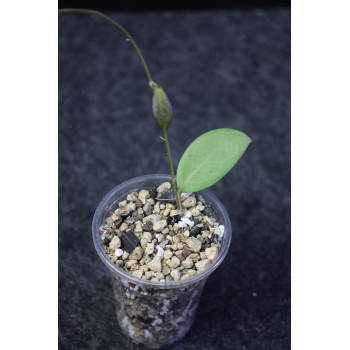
<point>113,257</point>
<point>147,235</point>
<point>144,267</point>
<point>135,267</point>
<point>144,277</point>
<point>167,254</point>
<point>166,212</point>
<point>122,204</point>
<point>152,218</point>
<point>174,262</point>
<point>148,274</point>
<point>129,263</point>
<point>165,231</point>
<point>191,273</point>
<point>123,227</point>
<point>176,227</point>
<point>156,208</point>
<point>211,253</point>
<point>183,277</point>
<point>180,246</point>
<point>181,237</point>
<point>115,217</point>
<point>176,239</point>
<point>137,273</point>
<point>138,228</point>
<point>194,211</point>
<point>136,254</point>
<point>173,246</point>
<point>166,270</point>
<point>189,202</point>
<point>164,187</point>
<point>175,274</point>
<point>186,234</point>
<point>174,212</point>
<point>149,249</point>
<point>162,206</point>
<point>132,196</point>
<point>143,195</point>
<point>202,255</point>
<point>187,263</point>
<point>144,242</point>
<point>194,244</point>
<point>155,265</point>
<point>119,263</point>
<point>158,226</point>
<point>160,275</point>
<point>194,257</point>
<point>170,206</point>
<point>178,252</point>
<point>115,243</point>
<point>131,206</point>
<point>202,265</point>
<point>154,279</point>
<point>125,255</point>
<point>200,207</point>
<point>151,201</point>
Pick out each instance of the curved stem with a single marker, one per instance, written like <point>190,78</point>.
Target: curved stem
<point>120,27</point>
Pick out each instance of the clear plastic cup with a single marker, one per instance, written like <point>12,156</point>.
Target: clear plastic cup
<point>151,313</point>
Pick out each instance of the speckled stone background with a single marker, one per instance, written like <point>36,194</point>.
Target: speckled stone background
<point>220,69</point>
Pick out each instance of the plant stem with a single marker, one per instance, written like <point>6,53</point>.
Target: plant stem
<point>120,27</point>
<point>152,84</point>
<point>177,192</point>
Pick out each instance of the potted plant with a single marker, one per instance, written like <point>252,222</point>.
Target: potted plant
<point>161,236</point>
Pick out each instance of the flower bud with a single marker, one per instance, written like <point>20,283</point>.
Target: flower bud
<point>161,108</point>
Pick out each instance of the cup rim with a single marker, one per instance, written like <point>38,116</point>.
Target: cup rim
<point>100,210</point>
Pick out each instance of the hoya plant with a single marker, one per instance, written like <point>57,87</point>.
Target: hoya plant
<point>209,157</point>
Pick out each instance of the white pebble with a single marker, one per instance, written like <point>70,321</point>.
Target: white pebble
<point>119,252</point>
<point>220,230</point>
<point>187,221</point>
<point>160,251</point>
<point>185,195</point>
<point>209,221</point>
<point>148,334</point>
<point>187,214</point>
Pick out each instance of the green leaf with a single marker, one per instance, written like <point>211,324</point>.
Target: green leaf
<point>209,158</point>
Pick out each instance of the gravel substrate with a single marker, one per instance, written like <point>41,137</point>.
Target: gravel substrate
<point>152,240</point>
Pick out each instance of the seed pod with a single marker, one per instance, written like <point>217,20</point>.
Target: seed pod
<point>161,108</point>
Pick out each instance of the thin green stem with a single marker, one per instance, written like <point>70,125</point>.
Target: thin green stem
<point>177,193</point>
<point>120,27</point>
<point>150,81</point>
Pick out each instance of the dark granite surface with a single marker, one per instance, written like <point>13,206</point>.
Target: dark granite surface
<point>220,69</point>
